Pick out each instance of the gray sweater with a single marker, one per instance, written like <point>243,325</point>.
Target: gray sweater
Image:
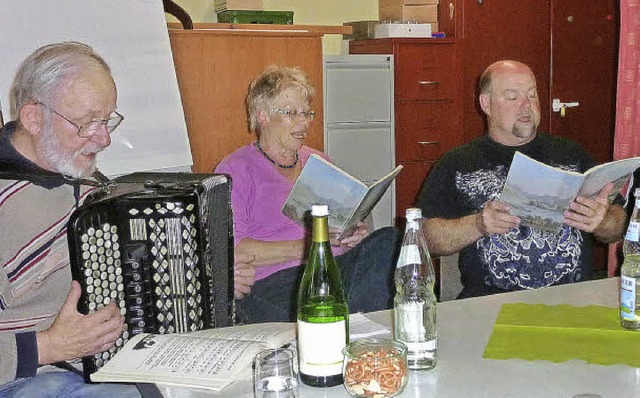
<point>35,276</point>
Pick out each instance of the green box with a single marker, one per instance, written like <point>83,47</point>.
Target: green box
<point>256,17</point>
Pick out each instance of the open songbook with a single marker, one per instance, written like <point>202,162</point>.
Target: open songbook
<point>539,194</point>
<point>349,199</point>
<point>210,359</point>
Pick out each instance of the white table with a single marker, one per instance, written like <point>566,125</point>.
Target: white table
<point>464,328</point>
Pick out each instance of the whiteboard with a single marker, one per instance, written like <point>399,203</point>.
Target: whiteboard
<point>131,35</point>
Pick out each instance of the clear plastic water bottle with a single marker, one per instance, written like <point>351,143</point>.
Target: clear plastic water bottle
<point>415,301</point>
<point>630,272</point>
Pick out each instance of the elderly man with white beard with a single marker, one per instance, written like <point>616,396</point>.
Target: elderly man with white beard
<point>463,213</point>
<point>63,106</point>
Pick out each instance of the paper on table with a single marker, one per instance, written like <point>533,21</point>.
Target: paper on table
<point>360,327</point>
<point>210,359</point>
<point>560,333</point>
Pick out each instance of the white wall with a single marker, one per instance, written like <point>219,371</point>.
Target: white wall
<point>133,38</point>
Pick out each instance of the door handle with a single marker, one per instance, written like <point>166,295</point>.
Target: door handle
<point>558,106</point>
<point>428,142</point>
<point>427,83</point>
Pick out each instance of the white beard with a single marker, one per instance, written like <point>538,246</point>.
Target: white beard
<point>51,149</point>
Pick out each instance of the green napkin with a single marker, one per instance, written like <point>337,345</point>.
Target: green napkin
<point>559,333</point>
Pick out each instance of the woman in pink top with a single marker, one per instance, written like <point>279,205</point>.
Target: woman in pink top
<point>269,247</point>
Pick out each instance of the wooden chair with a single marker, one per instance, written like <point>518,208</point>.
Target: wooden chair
<point>449,281</point>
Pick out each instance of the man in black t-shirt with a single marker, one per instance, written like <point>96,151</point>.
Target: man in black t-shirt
<point>460,198</point>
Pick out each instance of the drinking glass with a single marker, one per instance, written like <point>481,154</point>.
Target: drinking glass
<point>275,374</point>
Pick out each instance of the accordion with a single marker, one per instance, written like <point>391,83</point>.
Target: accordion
<point>161,246</point>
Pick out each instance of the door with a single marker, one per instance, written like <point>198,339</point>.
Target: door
<point>584,62</point>
<point>494,30</point>
<point>584,55</point>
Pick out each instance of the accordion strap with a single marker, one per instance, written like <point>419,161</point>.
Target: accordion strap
<point>15,171</point>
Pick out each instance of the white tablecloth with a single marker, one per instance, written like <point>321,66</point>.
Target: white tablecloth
<point>464,328</point>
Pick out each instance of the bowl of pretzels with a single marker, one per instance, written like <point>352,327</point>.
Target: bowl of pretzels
<point>375,367</point>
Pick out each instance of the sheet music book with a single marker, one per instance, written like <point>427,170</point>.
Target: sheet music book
<point>210,359</point>
<point>539,194</point>
<point>349,199</point>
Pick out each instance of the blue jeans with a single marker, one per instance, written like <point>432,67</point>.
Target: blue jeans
<point>64,385</point>
<point>367,275</point>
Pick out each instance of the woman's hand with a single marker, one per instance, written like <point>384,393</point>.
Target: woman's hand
<point>244,274</point>
<point>361,232</point>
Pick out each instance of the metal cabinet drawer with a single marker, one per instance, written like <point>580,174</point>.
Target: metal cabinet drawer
<point>360,90</point>
<point>426,130</point>
<point>364,150</point>
<point>425,72</point>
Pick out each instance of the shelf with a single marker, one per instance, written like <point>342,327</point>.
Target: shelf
<point>267,28</point>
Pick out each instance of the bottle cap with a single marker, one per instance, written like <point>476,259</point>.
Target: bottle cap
<point>413,213</point>
<point>319,210</point>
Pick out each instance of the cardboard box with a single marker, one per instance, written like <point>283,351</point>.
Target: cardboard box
<point>401,12</point>
<point>384,30</point>
<point>361,30</point>
<point>224,5</point>
<point>387,3</point>
<point>256,17</point>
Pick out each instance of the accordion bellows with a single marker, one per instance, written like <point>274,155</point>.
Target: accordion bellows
<point>161,246</point>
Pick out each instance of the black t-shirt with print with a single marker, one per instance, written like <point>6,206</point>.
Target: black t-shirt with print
<point>525,258</point>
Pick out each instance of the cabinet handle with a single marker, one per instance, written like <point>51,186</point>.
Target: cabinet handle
<point>427,83</point>
<point>429,142</point>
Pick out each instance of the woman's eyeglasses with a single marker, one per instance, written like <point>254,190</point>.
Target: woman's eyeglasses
<point>293,113</point>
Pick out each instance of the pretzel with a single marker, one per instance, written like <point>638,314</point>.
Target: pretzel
<point>375,373</point>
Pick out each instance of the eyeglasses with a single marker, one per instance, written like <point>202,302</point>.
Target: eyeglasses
<point>87,130</point>
<point>293,113</point>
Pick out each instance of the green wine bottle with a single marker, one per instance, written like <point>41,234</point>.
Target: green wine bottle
<point>323,315</point>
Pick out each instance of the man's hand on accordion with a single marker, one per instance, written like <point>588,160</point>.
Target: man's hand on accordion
<point>244,274</point>
<point>73,335</point>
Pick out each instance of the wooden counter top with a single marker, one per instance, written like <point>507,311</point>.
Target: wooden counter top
<point>268,28</point>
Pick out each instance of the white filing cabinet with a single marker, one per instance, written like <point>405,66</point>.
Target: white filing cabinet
<point>359,122</point>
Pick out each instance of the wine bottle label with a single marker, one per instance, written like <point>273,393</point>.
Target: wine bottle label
<point>320,346</point>
<point>628,299</point>
<point>633,232</point>
<point>409,254</point>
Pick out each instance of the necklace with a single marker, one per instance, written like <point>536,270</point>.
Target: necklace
<point>282,166</point>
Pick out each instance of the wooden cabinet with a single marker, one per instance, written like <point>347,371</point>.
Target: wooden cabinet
<point>215,63</point>
<point>408,183</point>
<point>428,106</point>
<point>429,129</point>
